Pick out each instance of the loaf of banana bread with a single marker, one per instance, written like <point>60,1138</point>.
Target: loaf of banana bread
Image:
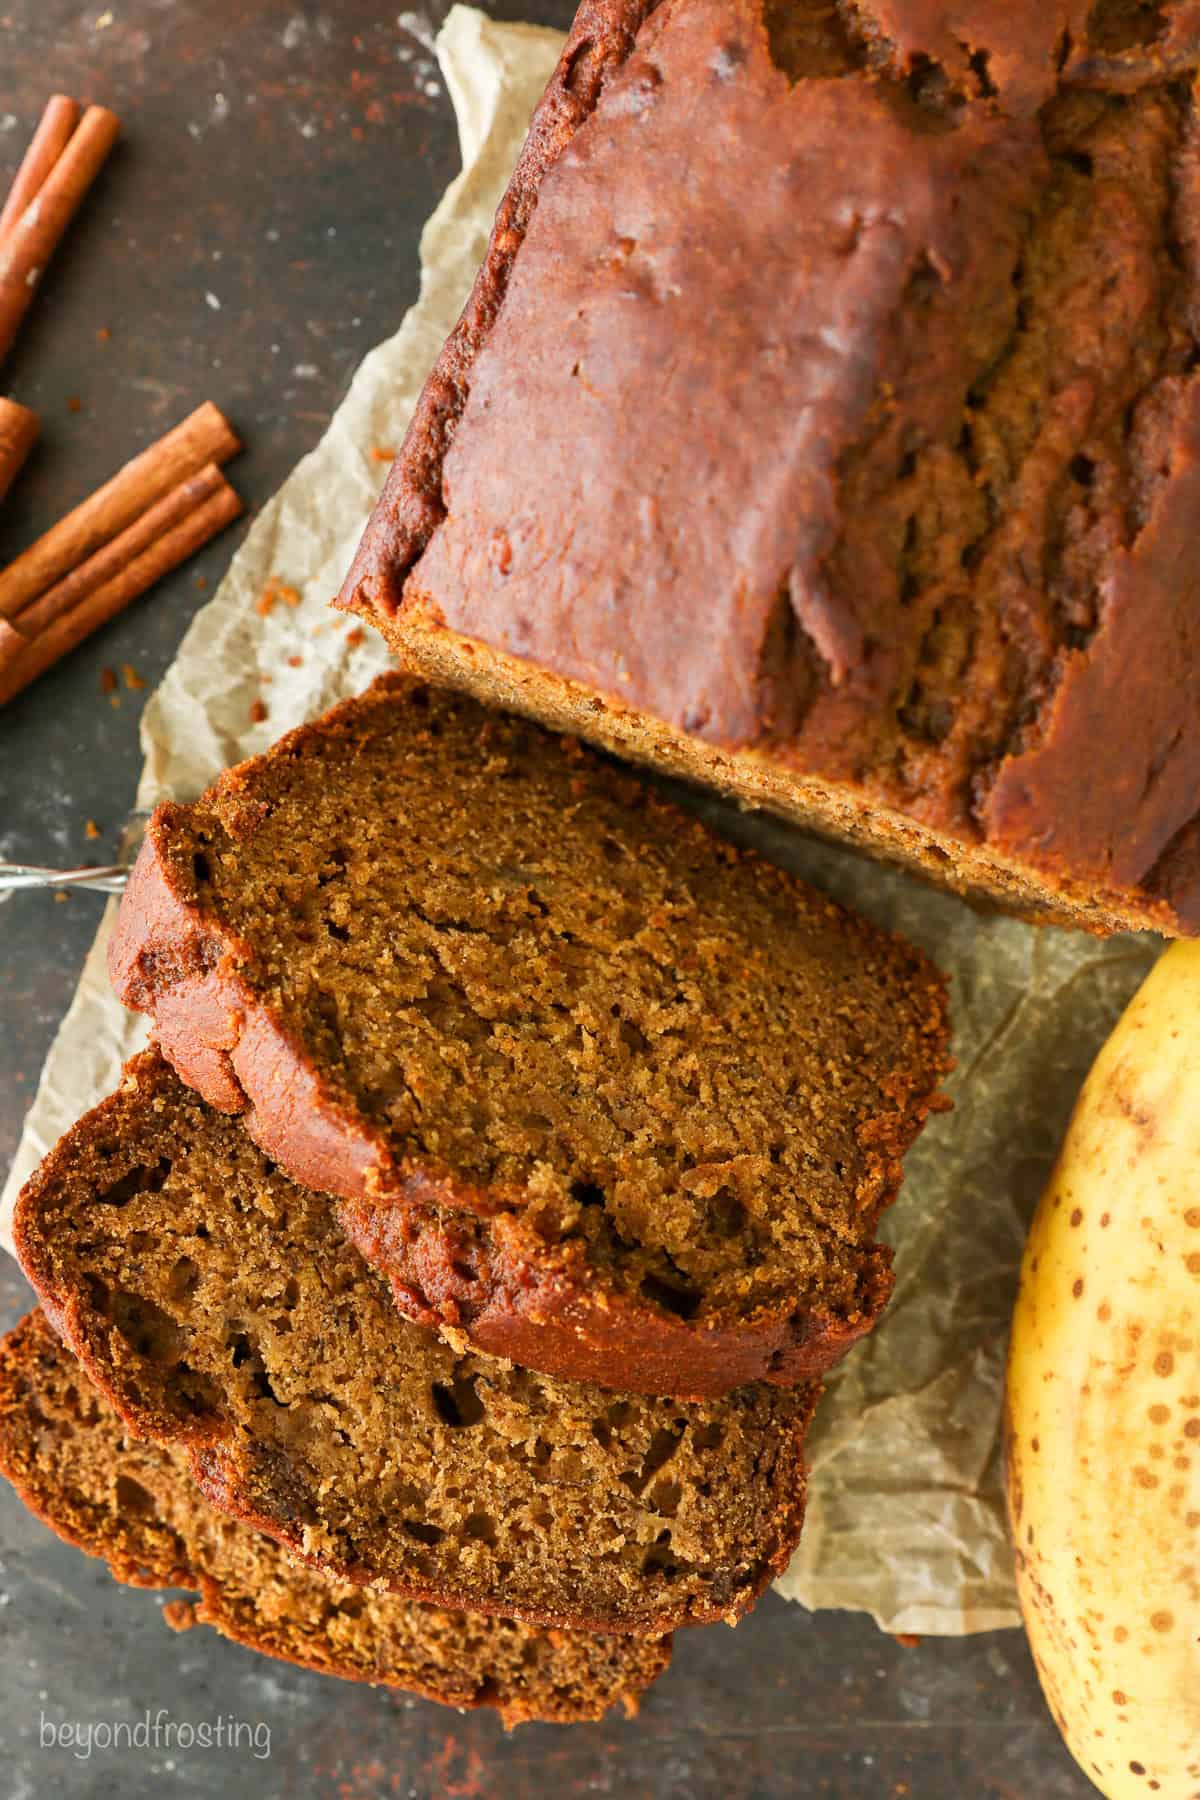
<point>825,426</point>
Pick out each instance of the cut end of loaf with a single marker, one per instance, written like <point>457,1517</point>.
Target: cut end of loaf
<point>769,782</point>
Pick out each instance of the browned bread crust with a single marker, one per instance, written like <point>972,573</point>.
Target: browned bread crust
<point>852,467</point>
<point>216,1305</point>
<point>681,1083</point>
<point>134,1505</point>
<point>519,1300</point>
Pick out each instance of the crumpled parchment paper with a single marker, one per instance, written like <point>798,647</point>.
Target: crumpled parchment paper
<point>905,1515</point>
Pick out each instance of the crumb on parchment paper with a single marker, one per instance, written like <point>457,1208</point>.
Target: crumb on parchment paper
<point>258,712</point>
<point>273,593</point>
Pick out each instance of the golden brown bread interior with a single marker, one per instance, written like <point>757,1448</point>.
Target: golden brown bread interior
<point>617,1100</point>
<point>219,1308</point>
<point>133,1504</point>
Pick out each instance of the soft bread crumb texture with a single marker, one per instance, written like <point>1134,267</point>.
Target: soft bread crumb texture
<point>559,1008</point>
<point>216,1305</point>
<point>133,1503</point>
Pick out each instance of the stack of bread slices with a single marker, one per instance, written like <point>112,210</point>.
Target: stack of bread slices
<point>444,1295</point>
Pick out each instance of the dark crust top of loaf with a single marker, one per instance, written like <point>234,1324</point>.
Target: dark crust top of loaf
<point>539,1305</point>
<point>945,555</point>
<point>249,1589</point>
<point>143,1119</point>
<point>601,38</point>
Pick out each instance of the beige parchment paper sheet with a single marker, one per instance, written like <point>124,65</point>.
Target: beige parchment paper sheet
<point>905,1516</point>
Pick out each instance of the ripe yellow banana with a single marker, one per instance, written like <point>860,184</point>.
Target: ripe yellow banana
<point>1103,1418</point>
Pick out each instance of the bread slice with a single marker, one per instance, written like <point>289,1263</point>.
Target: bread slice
<point>614,1099</point>
<point>219,1307</point>
<point>853,470</point>
<point>133,1504</point>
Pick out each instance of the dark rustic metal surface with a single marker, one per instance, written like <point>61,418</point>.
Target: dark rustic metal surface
<point>281,159</point>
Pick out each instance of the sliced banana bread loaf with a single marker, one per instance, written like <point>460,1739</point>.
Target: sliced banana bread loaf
<point>218,1306</point>
<point>852,466</point>
<point>612,1097</point>
<point>134,1504</point>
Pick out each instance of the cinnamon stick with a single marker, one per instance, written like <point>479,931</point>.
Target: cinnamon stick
<point>205,436</point>
<point>51,138</point>
<point>117,555</point>
<point>29,244</point>
<point>18,434</point>
<point>105,602</point>
<point>11,643</point>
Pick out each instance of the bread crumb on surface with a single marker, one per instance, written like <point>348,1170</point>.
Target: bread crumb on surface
<point>108,681</point>
<point>258,711</point>
<point>381,453</point>
<point>273,593</point>
<point>91,830</point>
<point>132,678</point>
<point>355,636</point>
